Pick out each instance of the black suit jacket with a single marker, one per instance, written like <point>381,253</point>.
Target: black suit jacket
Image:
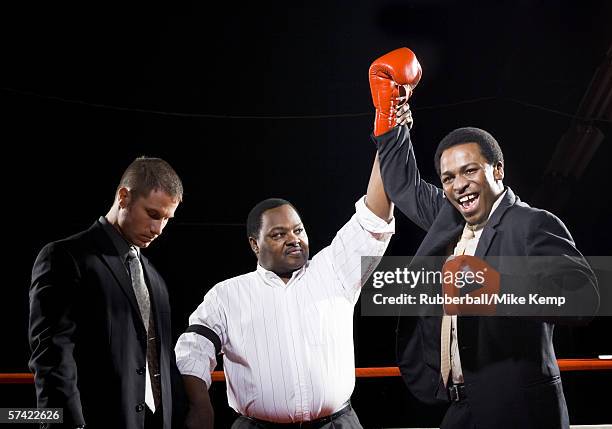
<point>87,338</point>
<point>509,365</point>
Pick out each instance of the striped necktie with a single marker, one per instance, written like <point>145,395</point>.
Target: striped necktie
<point>152,383</point>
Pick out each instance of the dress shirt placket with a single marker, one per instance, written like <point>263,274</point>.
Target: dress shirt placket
<point>293,314</point>
<point>302,400</point>
<point>307,392</point>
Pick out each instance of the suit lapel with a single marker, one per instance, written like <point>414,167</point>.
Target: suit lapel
<point>490,229</point>
<point>485,241</point>
<point>108,254</point>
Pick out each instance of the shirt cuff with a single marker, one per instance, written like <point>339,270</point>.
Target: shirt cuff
<point>370,222</point>
<point>193,356</point>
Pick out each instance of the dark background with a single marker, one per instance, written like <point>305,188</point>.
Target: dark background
<point>259,100</point>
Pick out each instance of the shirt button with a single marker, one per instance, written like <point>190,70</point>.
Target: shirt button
<point>139,408</point>
<point>141,371</point>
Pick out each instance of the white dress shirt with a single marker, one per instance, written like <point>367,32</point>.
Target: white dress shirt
<point>288,348</point>
<point>470,249</point>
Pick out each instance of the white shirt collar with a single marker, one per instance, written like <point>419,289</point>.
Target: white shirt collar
<point>270,276</point>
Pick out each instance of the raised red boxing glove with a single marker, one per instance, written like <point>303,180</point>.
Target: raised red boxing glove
<point>469,275</point>
<point>393,75</point>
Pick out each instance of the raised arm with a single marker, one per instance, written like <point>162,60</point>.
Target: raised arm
<point>376,198</point>
<point>419,200</point>
<point>392,80</point>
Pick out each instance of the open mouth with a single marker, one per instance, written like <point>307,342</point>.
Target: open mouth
<point>469,203</point>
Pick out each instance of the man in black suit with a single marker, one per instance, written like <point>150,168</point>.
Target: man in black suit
<point>99,313</point>
<point>497,372</point>
<point>501,371</point>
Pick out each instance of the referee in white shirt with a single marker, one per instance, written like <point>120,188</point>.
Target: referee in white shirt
<point>286,329</point>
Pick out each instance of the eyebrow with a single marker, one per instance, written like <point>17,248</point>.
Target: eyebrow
<point>158,212</point>
<point>463,167</point>
<point>282,228</point>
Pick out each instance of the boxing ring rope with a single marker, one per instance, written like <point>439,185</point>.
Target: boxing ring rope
<point>378,372</point>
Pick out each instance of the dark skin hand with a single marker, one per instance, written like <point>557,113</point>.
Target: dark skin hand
<point>201,414</point>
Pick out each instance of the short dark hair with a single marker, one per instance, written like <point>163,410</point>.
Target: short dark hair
<point>145,174</point>
<point>488,145</point>
<point>254,219</point>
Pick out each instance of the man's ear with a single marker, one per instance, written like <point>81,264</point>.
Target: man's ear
<point>254,245</point>
<point>123,196</point>
<point>498,171</point>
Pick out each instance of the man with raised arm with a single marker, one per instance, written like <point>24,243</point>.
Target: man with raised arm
<point>496,372</point>
<point>286,329</point>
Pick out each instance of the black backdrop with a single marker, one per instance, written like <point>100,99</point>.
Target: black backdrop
<point>251,101</point>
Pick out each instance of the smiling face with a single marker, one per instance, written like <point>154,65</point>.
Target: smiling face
<point>282,243</point>
<point>470,182</point>
<point>142,219</point>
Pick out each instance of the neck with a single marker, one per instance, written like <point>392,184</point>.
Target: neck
<point>285,277</point>
<point>476,226</point>
<point>113,215</point>
<point>500,191</point>
<point>113,218</point>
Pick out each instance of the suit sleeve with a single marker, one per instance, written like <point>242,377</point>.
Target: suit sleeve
<point>55,277</point>
<point>419,200</point>
<point>555,268</point>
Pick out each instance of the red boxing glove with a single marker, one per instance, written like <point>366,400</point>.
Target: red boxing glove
<point>393,75</point>
<point>470,275</point>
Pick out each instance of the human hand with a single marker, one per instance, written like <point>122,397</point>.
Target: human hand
<point>403,115</point>
<point>198,418</point>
